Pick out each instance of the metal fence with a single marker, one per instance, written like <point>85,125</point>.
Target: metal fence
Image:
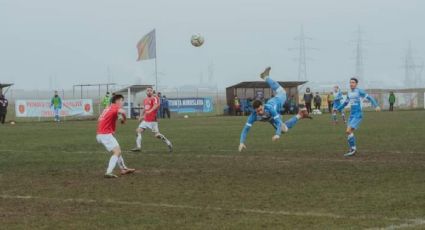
<point>405,99</point>
<point>217,96</point>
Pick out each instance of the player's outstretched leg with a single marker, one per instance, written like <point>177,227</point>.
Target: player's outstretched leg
<point>291,122</point>
<point>139,133</point>
<point>165,140</point>
<point>273,84</point>
<point>280,93</point>
<point>351,139</point>
<point>334,117</point>
<point>343,117</point>
<point>124,169</point>
<point>116,154</point>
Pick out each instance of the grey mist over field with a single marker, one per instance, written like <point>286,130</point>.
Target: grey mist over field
<point>48,44</point>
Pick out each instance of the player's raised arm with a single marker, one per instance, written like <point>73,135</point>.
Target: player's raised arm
<point>372,100</point>
<point>123,115</point>
<point>251,119</point>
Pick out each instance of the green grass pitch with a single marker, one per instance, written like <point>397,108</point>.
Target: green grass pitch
<point>51,176</point>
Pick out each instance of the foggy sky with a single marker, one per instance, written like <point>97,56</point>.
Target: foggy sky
<point>78,41</point>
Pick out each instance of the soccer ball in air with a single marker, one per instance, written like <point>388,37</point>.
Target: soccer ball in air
<point>186,116</point>
<point>197,40</point>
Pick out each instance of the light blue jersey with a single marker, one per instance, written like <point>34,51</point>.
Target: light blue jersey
<point>271,112</point>
<point>338,99</point>
<point>270,115</point>
<point>354,98</point>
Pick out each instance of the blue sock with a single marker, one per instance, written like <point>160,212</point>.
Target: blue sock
<point>291,122</point>
<point>351,141</point>
<point>273,84</point>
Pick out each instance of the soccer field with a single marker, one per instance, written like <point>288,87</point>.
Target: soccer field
<point>51,176</point>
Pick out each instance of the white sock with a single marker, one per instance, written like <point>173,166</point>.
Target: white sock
<point>139,141</point>
<point>121,162</point>
<point>112,164</point>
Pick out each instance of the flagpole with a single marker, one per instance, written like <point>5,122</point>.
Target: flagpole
<point>156,76</point>
<point>156,65</point>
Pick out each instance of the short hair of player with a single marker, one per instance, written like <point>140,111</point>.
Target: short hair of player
<point>354,79</point>
<point>256,104</point>
<point>117,97</point>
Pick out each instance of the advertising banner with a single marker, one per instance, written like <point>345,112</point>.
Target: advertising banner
<point>42,108</point>
<point>402,100</point>
<point>191,105</point>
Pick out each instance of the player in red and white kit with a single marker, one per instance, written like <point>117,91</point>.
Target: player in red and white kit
<point>105,135</point>
<point>148,120</point>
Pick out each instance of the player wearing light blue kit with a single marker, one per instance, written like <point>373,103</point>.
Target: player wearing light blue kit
<point>354,98</point>
<point>338,100</point>
<point>270,112</point>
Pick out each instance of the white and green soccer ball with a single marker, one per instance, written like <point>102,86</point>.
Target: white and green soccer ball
<point>197,40</point>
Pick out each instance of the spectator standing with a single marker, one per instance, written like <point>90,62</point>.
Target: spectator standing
<point>106,101</point>
<point>317,101</point>
<point>56,104</point>
<point>293,105</point>
<point>391,100</point>
<point>330,100</point>
<point>159,97</point>
<point>3,108</point>
<point>308,98</point>
<point>237,104</point>
<point>165,106</point>
<point>248,107</point>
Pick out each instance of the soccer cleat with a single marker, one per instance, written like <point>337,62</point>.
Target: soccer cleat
<point>351,153</point>
<point>127,171</point>
<point>284,128</point>
<point>266,73</point>
<point>303,113</point>
<point>169,145</point>
<point>110,175</point>
<point>136,149</point>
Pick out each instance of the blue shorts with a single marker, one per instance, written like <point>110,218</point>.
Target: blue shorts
<point>336,105</point>
<point>354,121</point>
<point>278,101</point>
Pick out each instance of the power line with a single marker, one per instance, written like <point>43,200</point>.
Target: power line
<point>302,56</point>
<point>412,71</point>
<point>359,65</point>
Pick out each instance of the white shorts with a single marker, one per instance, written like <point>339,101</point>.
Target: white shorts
<point>149,125</point>
<point>107,140</point>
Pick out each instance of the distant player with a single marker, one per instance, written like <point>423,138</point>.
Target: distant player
<point>270,112</point>
<point>105,135</point>
<point>354,97</point>
<point>56,104</point>
<point>148,120</point>
<point>338,100</point>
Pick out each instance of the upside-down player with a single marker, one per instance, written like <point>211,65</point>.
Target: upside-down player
<point>354,97</point>
<point>105,135</point>
<point>270,112</point>
<point>148,120</point>
<point>337,102</point>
